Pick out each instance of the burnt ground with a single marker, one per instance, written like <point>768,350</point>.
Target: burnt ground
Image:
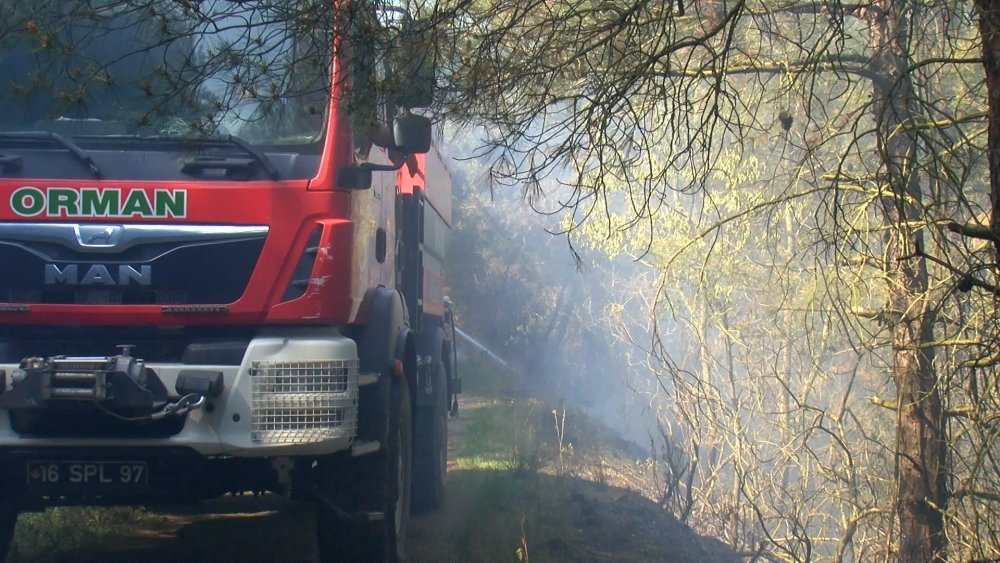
<point>586,507</point>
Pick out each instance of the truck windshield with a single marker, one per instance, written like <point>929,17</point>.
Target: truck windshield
<point>259,71</point>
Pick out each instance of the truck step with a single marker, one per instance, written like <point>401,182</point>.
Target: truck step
<point>369,378</point>
<point>345,517</point>
<point>365,447</point>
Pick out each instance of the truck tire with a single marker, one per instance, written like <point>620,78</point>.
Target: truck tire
<point>379,482</point>
<point>430,463</point>
<point>397,496</point>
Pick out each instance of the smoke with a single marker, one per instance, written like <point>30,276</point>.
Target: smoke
<point>524,299</point>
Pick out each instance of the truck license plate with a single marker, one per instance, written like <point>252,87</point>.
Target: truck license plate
<point>88,473</point>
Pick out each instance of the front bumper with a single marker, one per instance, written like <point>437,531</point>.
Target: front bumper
<point>294,393</point>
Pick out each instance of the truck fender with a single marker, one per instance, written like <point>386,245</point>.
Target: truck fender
<point>406,352</point>
<point>383,315</point>
<point>384,337</point>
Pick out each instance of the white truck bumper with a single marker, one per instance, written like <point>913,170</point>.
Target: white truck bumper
<point>295,393</point>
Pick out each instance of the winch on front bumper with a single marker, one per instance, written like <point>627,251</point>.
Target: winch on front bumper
<point>94,396</point>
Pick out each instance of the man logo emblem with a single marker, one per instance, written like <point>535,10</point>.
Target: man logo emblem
<point>99,235</point>
<point>98,274</point>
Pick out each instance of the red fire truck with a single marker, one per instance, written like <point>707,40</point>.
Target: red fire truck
<point>222,238</point>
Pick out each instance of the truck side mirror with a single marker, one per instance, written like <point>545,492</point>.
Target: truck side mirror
<point>412,133</point>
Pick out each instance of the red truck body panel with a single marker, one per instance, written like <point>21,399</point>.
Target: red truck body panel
<point>345,268</point>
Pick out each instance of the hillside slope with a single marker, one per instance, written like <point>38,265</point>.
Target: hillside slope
<point>532,482</point>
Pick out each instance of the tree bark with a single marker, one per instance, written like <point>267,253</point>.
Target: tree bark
<point>989,29</point>
<point>921,493</point>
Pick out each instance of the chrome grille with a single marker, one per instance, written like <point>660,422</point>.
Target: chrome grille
<point>304,401</point>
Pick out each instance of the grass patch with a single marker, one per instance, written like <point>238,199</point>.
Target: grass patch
<point>56,530</point>
<point>504,461</point>
<point>503,436</point>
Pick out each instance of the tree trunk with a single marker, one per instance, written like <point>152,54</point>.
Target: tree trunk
<point>920,442</point>
<point>989,29</point>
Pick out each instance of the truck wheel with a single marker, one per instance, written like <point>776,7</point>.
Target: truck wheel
<point>396,488</point>
<point>378,482</point>
<point>430,464</point>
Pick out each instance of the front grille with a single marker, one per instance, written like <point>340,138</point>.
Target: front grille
<point>302,402</point>
<point>45,263</point>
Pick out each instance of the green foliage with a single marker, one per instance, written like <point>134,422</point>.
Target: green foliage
<point>782,175</point>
